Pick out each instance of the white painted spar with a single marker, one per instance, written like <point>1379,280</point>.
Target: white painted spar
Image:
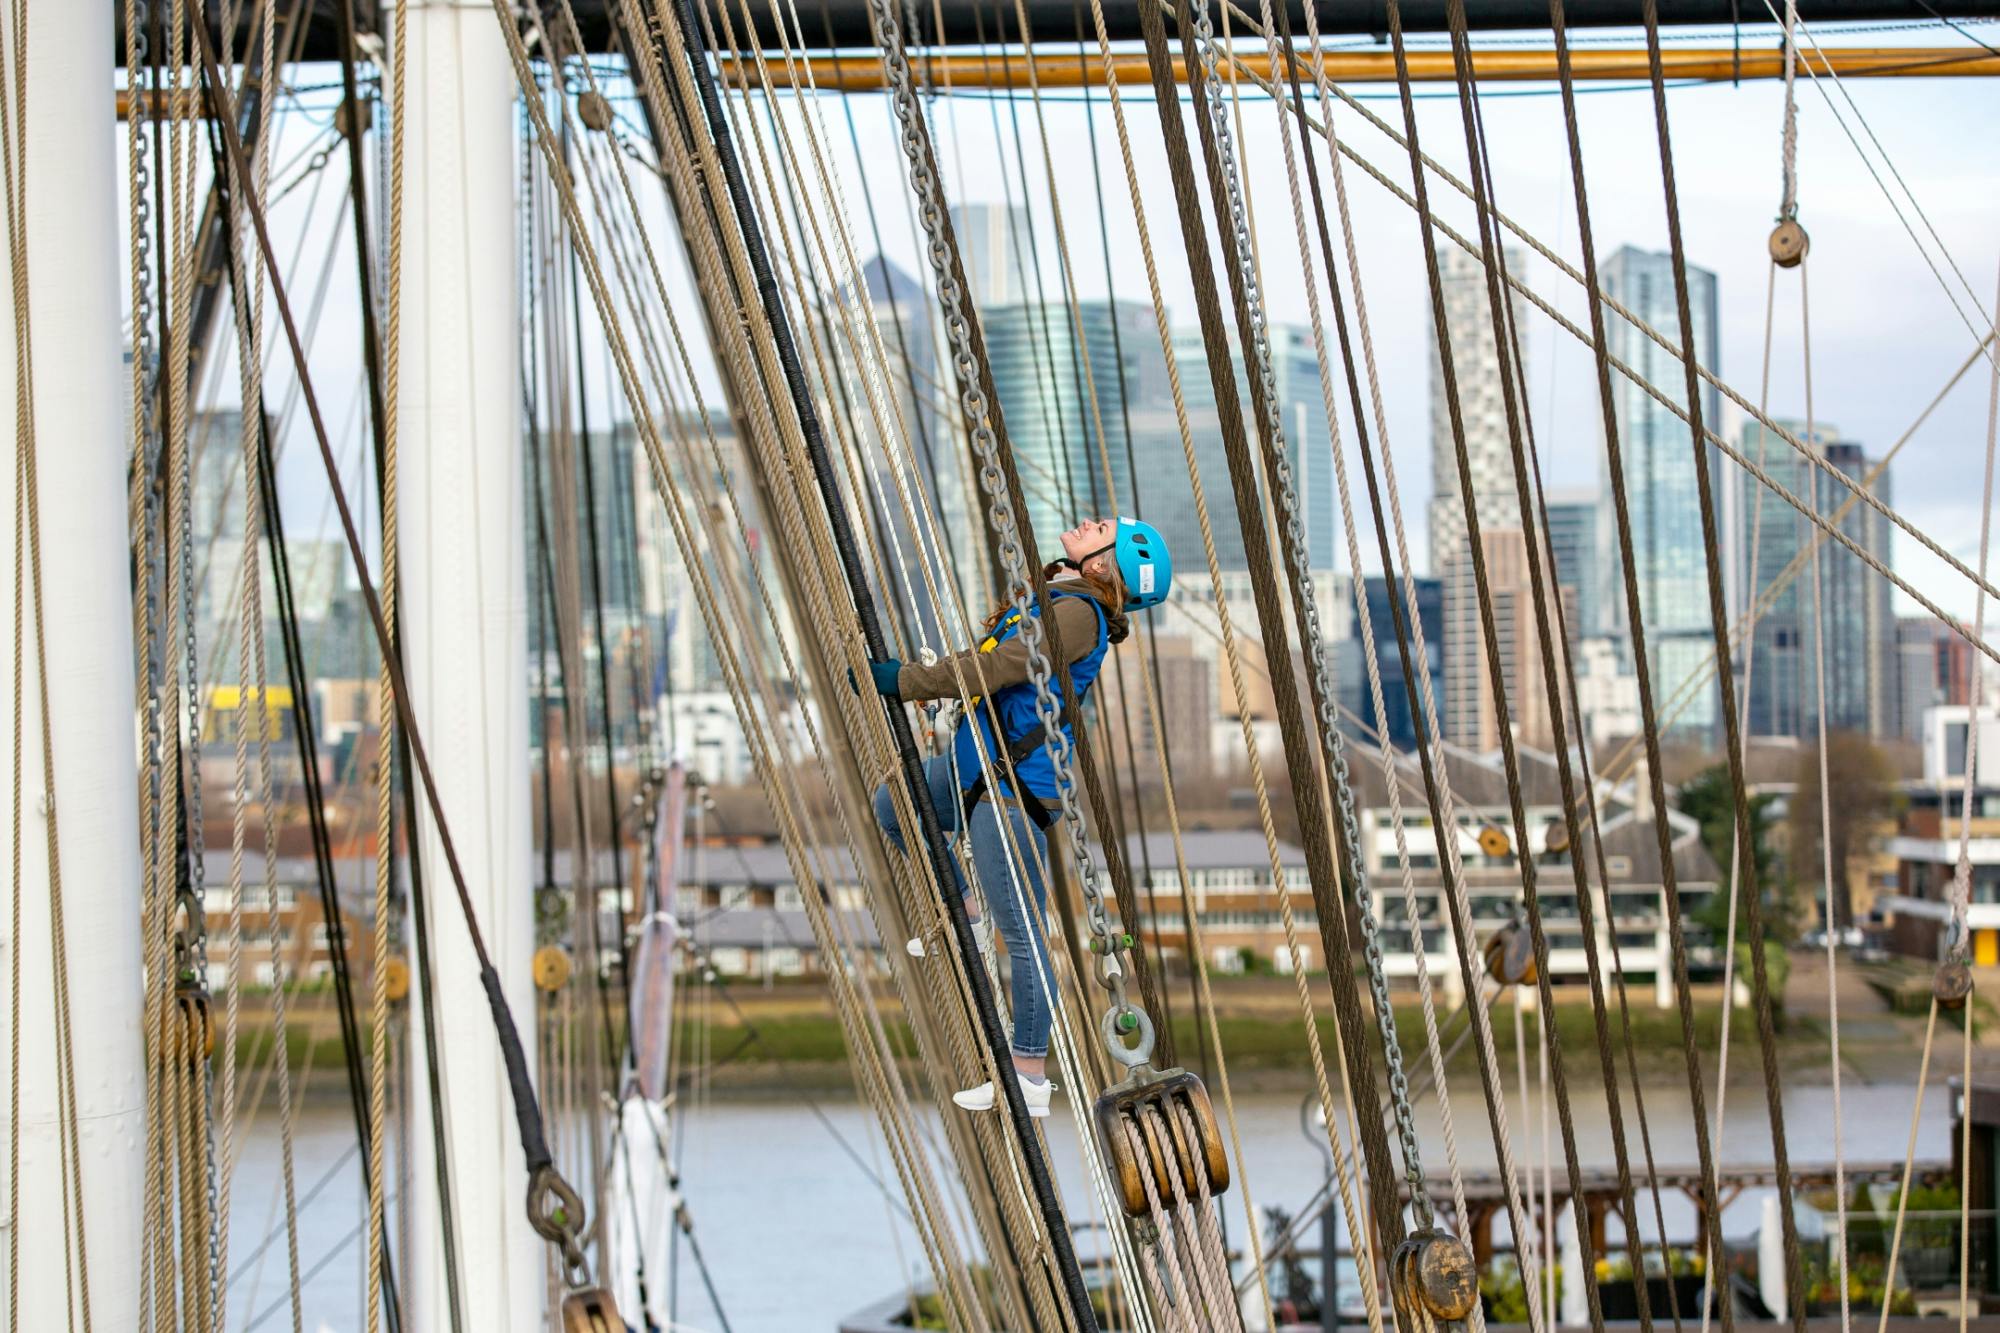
<point>73,225</point>
<point>464,620</point>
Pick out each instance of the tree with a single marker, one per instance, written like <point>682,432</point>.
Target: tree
<point>1860,794</point>
<point>1708,800</point>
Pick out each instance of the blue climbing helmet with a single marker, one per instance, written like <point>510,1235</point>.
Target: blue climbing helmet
<point>1145,564</point>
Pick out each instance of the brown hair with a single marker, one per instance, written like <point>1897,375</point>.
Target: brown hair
<point>1107,589</point>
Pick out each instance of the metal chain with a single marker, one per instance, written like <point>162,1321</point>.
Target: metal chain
<point>1124,1016</point>
<point>1295,544</point>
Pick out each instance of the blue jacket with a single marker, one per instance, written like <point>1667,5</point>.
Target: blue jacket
<point>1016,706</point>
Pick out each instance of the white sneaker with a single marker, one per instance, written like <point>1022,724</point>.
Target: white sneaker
<point>982,934</point>
<point>1035,1094</point>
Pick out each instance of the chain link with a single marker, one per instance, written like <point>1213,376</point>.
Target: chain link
<point>1107,944</point>
<point>1295,544</point>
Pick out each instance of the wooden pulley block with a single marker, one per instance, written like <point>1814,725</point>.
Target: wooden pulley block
<point>591,1310</point>
<point>593,110</point>
<point>396,978</point>
<point>1789,244</point>
<point>1434,1270</point>
<point>1558,839</point>
<point>350,114</point>
<point>1165,1147</point>
<point>1952,986</point>
<point>1494,841</point>
<point>552,967</point>
<point>190,1012</point>
<point>1510,957</point>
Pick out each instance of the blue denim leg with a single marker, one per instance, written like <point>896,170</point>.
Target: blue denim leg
<point>1027,952</point>
<point>944,795</point>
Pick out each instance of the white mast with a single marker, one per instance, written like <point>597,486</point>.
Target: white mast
<point>72,226</point>
<point>464,618</point>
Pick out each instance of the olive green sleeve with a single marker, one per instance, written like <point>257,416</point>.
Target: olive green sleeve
<point>1007,664</point>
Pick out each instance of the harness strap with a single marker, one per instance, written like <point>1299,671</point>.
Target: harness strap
<point>1018,750</point>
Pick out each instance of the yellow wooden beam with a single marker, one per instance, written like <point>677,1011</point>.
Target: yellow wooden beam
<point>1493,64</point>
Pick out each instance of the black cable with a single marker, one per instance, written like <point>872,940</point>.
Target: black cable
<point>549,1195</point>
<point>305,733</point>
<point>306,737</point>
<point>1041,1185</point>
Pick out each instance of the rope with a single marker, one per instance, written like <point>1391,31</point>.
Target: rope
<point>1720,625</point>
<point>1356,1063</point>
<point>1788,210</point>
<point>1961,882</point>
<point>28,552</point>
<point>248,309</point>
<point>1859,489</point>
<point>1709,1204</point>
<point>387,429</point>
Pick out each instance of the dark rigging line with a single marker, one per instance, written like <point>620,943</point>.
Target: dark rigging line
<point>544,1181</point>
<point>1041,1186</point>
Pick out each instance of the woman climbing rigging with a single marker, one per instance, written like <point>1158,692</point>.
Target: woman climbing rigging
<point>1109,567</point>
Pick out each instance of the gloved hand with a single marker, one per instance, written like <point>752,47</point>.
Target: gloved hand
<point>888,677</point>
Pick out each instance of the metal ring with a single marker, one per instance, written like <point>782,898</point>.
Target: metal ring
<point>1132,1057</point>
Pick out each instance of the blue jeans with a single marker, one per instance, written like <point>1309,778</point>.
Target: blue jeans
<point>1027,951</point>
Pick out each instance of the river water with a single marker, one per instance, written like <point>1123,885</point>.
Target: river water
<point>796,1235</point>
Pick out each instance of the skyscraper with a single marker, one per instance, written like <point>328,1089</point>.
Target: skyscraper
<point>1856,621</point>
<point>1302,417</point>
<point>1475,359</point>
<point>1472,713</point>
<point>1573,536</point>
<point>1670,555</point>
<point>1934,665</point>
<point>1402,724</point>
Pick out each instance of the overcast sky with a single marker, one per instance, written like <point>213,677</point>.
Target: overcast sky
<point>1885,335</point>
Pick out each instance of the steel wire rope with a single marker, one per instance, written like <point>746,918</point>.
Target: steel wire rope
<point>1527,466</point>
<point>1586,803</point>
<point>1496,676</point>
<point>725,475</point>
<point>1707,1206</point>
<point>1445,832</point>
<point>966,358</point>
<point>1085,1139</point>
<point>1720,630</point>
<point>1106,810</point>
<point>247,304</point>
<point>1228,194</point>
<point>984,418</point>
<point>1085,1142</point>
<point>891,556</point>
<point>1858,489</point>
<point>1354,1063</point>
<point>1825,794</point>
<point>1150,656</point>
